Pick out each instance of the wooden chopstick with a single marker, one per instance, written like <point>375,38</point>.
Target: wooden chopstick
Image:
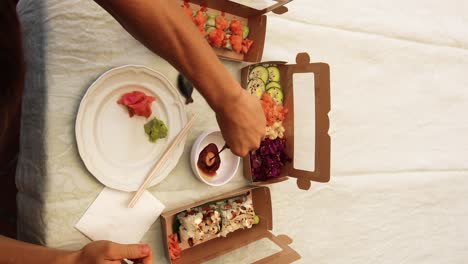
<point>219,152</point>
<point>161,161</point>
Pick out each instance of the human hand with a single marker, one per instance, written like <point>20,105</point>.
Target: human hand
<point>242,123</point>
<point>106,252</point>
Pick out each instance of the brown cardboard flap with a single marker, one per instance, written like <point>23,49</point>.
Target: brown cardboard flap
<point>322,107</point>
<point>286,255</point>
<point>280,10</point>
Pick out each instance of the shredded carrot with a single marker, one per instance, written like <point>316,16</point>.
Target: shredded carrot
<point>174,247</point>
<point>273,112</point>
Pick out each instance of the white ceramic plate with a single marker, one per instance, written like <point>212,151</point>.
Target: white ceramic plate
<point>113,146</point>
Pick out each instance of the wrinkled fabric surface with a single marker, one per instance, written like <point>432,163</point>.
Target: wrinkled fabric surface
<point>398,128</point>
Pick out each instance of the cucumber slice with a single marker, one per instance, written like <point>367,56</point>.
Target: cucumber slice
<point>209,29</point>
<point>211,22</point>
<point>259,72</point>
<point>228,45</point>
<point>256,220</point>
<point>245,32</point>
<point>256,87</point>
<point>276,94</point>
<point>273,74</point>
<point>273,84</point>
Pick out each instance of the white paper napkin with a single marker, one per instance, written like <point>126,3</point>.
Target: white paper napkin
<point>109,218</point>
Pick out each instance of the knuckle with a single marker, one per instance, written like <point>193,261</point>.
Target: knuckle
<point>238,151</point>
<point>244,152</point>
<point>257,144</point>
<point>107,248</point>
<point>130,251</point>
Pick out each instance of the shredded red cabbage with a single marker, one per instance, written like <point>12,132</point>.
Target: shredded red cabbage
<point>267,161</point>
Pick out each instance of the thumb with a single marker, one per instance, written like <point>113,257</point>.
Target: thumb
<point>119,251</point>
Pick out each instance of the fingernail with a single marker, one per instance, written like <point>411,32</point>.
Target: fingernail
<point>145,249</point>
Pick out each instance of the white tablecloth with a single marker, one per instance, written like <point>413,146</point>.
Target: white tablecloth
<point>398,126</point>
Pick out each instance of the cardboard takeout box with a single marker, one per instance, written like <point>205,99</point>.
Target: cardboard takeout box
<point>215,247</point>
<point>321,86</point>
<point>255,19</point>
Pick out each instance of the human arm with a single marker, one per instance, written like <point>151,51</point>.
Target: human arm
<point>162,26</point>
<point>99,252</point>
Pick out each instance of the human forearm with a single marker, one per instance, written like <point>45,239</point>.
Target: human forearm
<point>162,27</point>
<point>13,252</point>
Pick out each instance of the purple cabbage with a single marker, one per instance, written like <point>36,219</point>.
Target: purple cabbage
<point>267,161</point>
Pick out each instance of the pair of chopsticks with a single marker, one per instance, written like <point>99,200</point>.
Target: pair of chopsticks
<point>161,161</point>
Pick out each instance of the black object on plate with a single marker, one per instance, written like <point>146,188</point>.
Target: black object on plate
<point>186,88</point>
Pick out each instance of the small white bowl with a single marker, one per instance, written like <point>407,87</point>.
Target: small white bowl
<point>229,162</point>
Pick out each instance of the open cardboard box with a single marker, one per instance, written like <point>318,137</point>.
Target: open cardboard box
<point>244,11</point>
<point>321,86</point>
<point>215,247</point>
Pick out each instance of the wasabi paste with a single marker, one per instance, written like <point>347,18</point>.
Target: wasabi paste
<point>155,129</point>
